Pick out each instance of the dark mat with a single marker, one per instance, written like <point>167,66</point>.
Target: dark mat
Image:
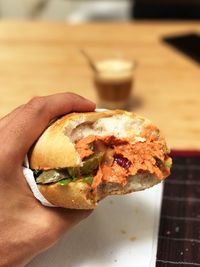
<point>179,232</point>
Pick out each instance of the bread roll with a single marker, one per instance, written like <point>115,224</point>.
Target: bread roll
<point>56,149</point>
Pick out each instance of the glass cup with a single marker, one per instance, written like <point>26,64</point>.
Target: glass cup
<point>113,80</point>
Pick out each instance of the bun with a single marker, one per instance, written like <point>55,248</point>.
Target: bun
<point>77,195</point>
<point>74,196</point>
<point>56,149</point>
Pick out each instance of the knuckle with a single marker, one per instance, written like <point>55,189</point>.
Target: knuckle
<point>50,232</point>
<point>74,95</point>
<point>37,103</point>
<point>71,94</point>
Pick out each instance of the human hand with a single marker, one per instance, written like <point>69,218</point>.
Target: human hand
<point>26,227</point>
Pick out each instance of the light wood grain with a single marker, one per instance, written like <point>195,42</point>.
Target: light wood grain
<point>44,58</point>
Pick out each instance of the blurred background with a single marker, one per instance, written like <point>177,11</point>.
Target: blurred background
<point>159,38</point>
<point>41,43</point>
<point>70,10</point>
<point>90,10</point>
<point>155,50</point>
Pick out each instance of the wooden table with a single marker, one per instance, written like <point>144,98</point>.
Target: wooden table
<point>44,58</point>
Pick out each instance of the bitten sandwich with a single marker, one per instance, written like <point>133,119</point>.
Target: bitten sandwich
<point>83,157</point>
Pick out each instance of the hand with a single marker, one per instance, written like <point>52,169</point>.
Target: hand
<point>26,227</point>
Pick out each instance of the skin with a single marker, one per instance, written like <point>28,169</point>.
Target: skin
<point>26,227</point>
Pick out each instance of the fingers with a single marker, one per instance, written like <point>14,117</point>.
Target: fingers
<point>30,121</point>
<point>56,222</point>
<point>66,219</point>
<point>71,217</point>
<point>77,215</point>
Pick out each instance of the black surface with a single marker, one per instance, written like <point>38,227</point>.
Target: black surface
<point>179,233</point>
<point>189,44</point>
<point>150,10</point>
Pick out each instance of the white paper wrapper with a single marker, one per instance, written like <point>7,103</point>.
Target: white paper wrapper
<point>31,180</point>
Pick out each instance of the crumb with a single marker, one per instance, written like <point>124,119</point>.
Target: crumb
<point>111,201</point>
<point>132,238</point>
<point>115,260</point>
<point>123,231</point>
<point>168,232</point>
<point>181,253</point>
<point>186,249</point>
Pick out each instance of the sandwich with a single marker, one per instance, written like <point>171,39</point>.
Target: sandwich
<point>83,157</point>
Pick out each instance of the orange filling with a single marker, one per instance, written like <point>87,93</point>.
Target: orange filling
<point>83,148</point>
<point>123,158</point>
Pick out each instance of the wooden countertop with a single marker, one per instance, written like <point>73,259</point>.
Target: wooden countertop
<point>38,58</point>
